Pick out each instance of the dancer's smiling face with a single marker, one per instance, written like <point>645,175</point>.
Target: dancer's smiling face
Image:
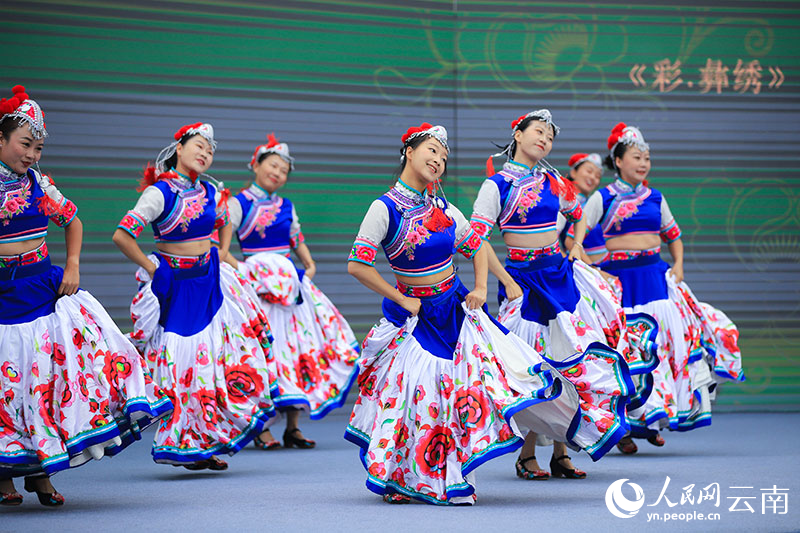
<point>195,155</point>
<point>534,142</point>
<point>272,172</point>
<point>20,150</point>
<point>586,177</point>
<point>428,160</point>
<point>634,165</point>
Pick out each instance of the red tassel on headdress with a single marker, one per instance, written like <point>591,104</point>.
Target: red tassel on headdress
<point>562,187</point>
<point>272,140</point>
<point>490,167</point>
<point>411,131</point>
<point>225,194</point>
<point>181,132</point>
<point>148,178</point>
<point>616,133</point>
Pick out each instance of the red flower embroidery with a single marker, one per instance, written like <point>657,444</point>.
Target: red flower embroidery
<point>243,382</point>
<point>432,450</point>
<point>472,407</point>
<point>308,376</point>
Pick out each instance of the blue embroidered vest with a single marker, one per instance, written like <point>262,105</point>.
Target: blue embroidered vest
<point>189,211</point>
<point>528,205</point>
<point>630,211</point>
<point>266,222</point>
<point>20,216</point>
<point>410,247</point>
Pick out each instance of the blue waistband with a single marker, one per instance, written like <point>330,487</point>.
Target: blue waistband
<point>537,264</point>
<point>640,261</point>
<point>25,271</point>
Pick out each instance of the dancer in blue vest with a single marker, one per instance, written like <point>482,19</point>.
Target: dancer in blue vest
<point>314,350</point>
<point>639,330</point>
<point>443,387</point>
<point>73,388</point>
<point>585,172</point>
<point>198,326</point>
<point>540,295</point>
<point>695,351</point>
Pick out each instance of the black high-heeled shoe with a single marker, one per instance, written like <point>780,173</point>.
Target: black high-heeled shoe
<point>10,498</point>
<point>533,475</point>
<point>289,440</point>
<point>48,499</point>
<point>559,470</point>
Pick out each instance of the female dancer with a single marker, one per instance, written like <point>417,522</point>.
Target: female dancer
<point>641,329</point>
<point>73,386</point>
<point>540,300</point>
<point>204,338</point>
<point>585,171</point>
<point>632,217</point>
<point>443,387</point>
<point>314,348</point>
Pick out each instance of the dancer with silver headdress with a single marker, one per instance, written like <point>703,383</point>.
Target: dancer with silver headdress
<point>314,349</point>
<point>73,387</point>
<point>198,325</point>
<point>697,345</point>
<point>443,386</point>
<point>539,290</point>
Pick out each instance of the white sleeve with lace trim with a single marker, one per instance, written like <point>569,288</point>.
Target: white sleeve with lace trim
<point>234,212</point>
<point>593,210</point>
<point>372,231</point>
<point>486,209</point>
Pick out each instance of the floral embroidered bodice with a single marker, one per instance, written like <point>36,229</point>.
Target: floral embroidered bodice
<point>25,205</point>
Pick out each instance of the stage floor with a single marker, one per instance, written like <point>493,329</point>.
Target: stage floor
<point>323,489</point>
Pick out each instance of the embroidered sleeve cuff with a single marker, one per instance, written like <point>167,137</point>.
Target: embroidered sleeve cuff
<point>671,233</point>
<point>65,214</point>
<point>363,251</point>
<point>482,226</point>
<point>132,223</point>
<point>574,212</point>
<point>222,219</point>
<point>470,244</point>
<point>297,240</point>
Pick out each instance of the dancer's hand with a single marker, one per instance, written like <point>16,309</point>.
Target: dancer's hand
<point>70,281</point>
<point>476,298</point>
<point>411,305</point>
<point>575,252</point>
<point>513,291</point>
<point>677,272</point>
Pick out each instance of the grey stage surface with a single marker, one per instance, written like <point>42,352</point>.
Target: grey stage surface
<point>323,489</point>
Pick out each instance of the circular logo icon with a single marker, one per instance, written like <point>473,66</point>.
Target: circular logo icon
<point>621,506</point>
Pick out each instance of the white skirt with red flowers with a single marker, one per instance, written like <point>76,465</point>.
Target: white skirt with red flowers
<point>199,327</point>
<point>72,386</point>
<point>572,328</point>
<point>691,345</point>
<point>445,391</point>
<point>314,349</point>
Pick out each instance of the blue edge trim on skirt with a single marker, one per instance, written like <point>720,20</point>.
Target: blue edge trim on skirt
<point>465,489</point>
<point>640,290</point>
<point>43,279</point>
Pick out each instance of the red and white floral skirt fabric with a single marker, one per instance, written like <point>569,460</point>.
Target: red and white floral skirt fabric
<point>218,377</point>
<point>314,349</point>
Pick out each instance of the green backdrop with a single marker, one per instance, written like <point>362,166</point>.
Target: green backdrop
<point>713,86</point>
